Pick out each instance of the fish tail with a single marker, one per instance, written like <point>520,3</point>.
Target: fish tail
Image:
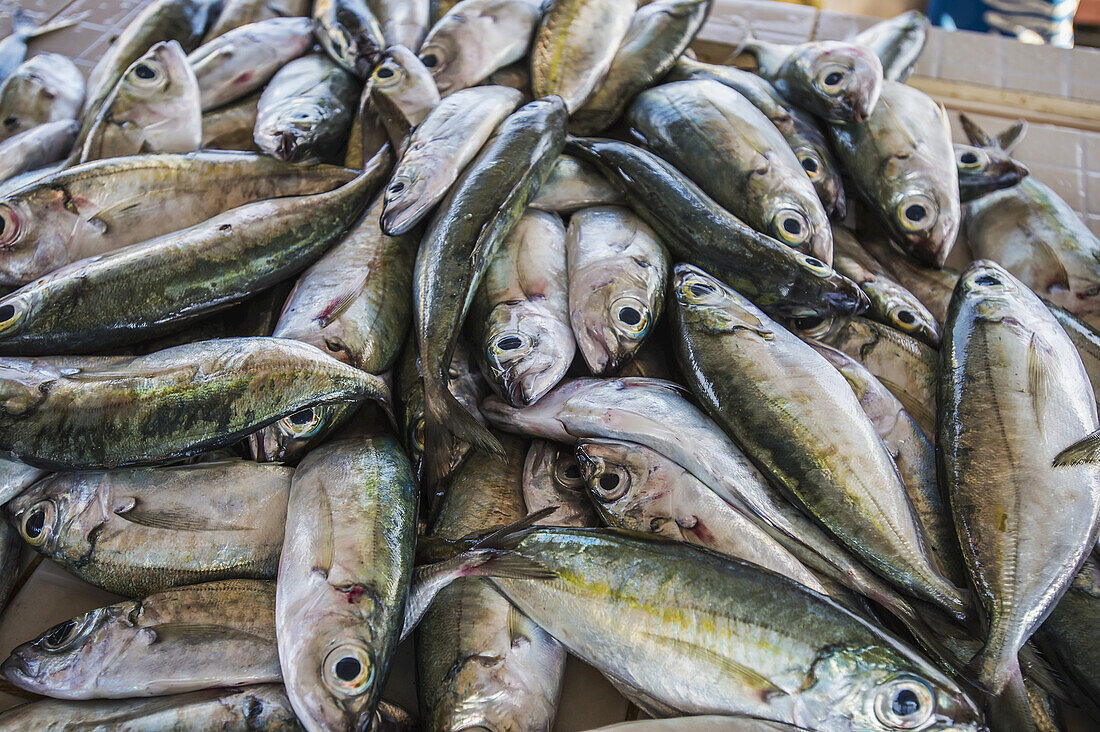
<point>995,666</point>
<point>1012,710</point>
<point>25,26</point>
<point>448,420</point>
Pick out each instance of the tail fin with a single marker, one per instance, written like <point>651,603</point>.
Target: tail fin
<point>24,26</point>
<point>1018,709</point>
<point>448,419</point>
<point>993,667</point>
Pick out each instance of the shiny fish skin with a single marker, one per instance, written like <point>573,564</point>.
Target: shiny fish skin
<point>36,147</point>
<point>183,639</point>
<point>306,109</point>
<point>343,577</point>
<point>618,272</point>
<point>902,162</point>
<point>703,723</point>
<point>520,313</point>
<point>1006,362</point>
<point>984,171</point>
<point>244,59</point>
<point>440,149</point>
<point>697,230</point>
<point>748,641</point>
<point>235,13</point>
<point>552,477</point>
<point>136,531</point>
<point>349,33</point>
<point>126,411</point>
<point>573,185</point>
<point>891,304</point>
<point>476,38</point>
<point>16,477</point>
<point>636,488</point>
<point>109,204</point>
<point>482,664</point>
<point>658,34</point>
<point>402,94</point>
<point>913,453</point>
<point>230,127</point>
<point>1085,339</point>
<point>838,81</point>
<point>719,139</point>
<point>799,129</point>
<point>153,109</point>
<point>781,402</point>
<point>403,22</point>
<point>478,213</point>
<point>46,88</point>
<point>150,288</point>
<point>258,706</point>
<point>1069,629</point>
<point>574,47</point>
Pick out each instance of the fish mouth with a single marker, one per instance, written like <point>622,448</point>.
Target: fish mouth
<point>16,669</point>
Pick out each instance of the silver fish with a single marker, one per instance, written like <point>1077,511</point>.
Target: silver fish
<point>13,49</point>
<point>46,88</point>
<point>349,33</point>
<point>36,147</point>
<point>552,477</point>
<point>573,185</point>
<point>403,22</point>
<point>235,13</point>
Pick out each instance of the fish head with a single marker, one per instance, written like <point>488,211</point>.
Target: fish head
<point>881,688</point>
<point>923,216</point>
<point>403,77</point>
<point>407,198</point>
<point>986,170</point>
<point>60,515</point>
<point>801,229</point>
<point>822,172</point>
<point>35,227</point>
<point>841,81</point>
<point>441,57</point>
<point>909,315</point>
<point>552,477</point>
<point>527,352</point>
<point>631,486</point>
<point>152,75</point>
<point>290,438</point>
<point>614,309</point>
<point>707,305</point>
<point>991,292</point>
<point>72,654</point>
<point>333,679</point>
<point>25,384</point>
<point>289,135</point>
<point>541,418</point>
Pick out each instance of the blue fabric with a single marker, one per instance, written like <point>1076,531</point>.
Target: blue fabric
<point>1050,20</point>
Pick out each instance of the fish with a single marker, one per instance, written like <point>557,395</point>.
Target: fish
<point>639,489</point>
<point>149,288</point>
<point>306,110</point>
<point>655,414</point>
<point>683,630</point>
<point>1006,362</point>
<point>244,59</point>
<point>344,573</point>
<point>781,402</point>
<point>482,207</point>
<point>984,171</point>
<point>932,286</point>
<point>658,34</point>
<point>105,205</point>
<point>161,20</point>
<point>137,531</point>
<point>99,412</point>
<point>725,144</point>
<point>903,165</point>
<point>1034,234</point>
<point>891,304</point>
<point>906,366</point>
<point>153,109</point>
<point>402,94</point>
<point>1067,631</point>
<point>236,13</point>
<point>520,313</point>
<point>16,477</point>
<point>799,129</point>
<point>838,81</point>
<point>46,88</point>
<point>230,127</point>
<point>699,231</point>
<point>703,723</point>
<point>441,147</point>
<point>183,639</point>
<point>264,706</point>
<point>349,33</point>
<point>573,185</point>
<point>355,304</point>
<point>403,22</point>
<point>36,147</point>
<point>517,76</point>
<point>898,42</point>
<point>575,45</point>
<point>367,134</point>
<point>1085,339</point>
<point>477,37</point>
<point>13,48</point>
<point>552,477</point>
<point>913,453</point>
<point>618,272</point>
<point>480,662</point>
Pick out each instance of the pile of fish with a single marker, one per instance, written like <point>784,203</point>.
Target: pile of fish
<point>514,326</point>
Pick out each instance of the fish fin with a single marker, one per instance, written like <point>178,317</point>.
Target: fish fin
<point>1040,673</point>
<point>336,307</point>
<point>94,374</point>
<point>993,668</point>
<point>1038,374</point>
<point>663,384</point>
<point>21,23</point>
<point>767,688</point>
<point>198,633</point>
<point>114,216</point>
<point>170,519</point>
<point>35,32</point>
<point>448,418</point>
<point>1082,452</point>
<point>976,134</point>
<point>515,632</point>
<point>323,548</point>
<point>506,537</point>
<point>1008,139</point>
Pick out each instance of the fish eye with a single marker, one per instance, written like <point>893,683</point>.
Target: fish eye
<point>811,165</point>
<point>631,316</point>
<point>904,704</point>
<point>509,346</point>
<point>62,635</point>
<point>696,289</point>
<point>144,71</point>
<point>812,325</point>
<point>792,227</point>
<point>36,523</point>
<point>610,484</point>
<point>303,423</point>
<point>386,74</point>
<point>816,266</point>
<point>148,73</point>
<point>567,473</point>
<point>917,212</point>
<point>10,313</point>
<point>433,59</point>
<point>396,188</point>
<point>972,159</point>
<point>10,228</point>
<point>348,670</point>
<point>417,435</point>
<point>832,79</point>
